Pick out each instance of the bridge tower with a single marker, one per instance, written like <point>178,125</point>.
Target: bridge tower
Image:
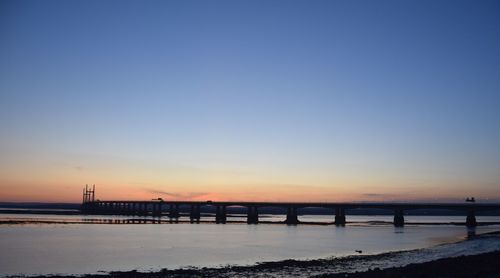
<point>88,199</point>
<point>88,194</point>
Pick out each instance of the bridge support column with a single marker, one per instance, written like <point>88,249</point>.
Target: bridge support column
<point>144,210</point>
<point>154,209</point>
<point>291,216</point>
<point>173,212</point>
<point>129,208</point>
<point>194,215</point>
<point>139,209</point>
<point>253,215</point>
<point>159,209</point>
<point>399,219</point>
<point>97,207</point>
<point>340,216</point>
<point>220,214</point>
<point>87,208</point>
<point>471,218</point>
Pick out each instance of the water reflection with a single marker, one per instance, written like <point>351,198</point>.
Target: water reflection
<point>471,232</point>
<point>123,221</point>
<point>399,230</point>
<point>60,247</point>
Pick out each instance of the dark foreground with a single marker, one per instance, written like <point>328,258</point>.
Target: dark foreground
<point>482,265</point>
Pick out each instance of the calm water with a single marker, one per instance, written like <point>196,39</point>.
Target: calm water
<point>89,248</point>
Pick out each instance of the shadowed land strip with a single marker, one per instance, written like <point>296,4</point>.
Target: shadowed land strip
<point>482,265</point>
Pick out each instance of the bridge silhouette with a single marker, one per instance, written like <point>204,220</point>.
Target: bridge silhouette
<point>171,208</point>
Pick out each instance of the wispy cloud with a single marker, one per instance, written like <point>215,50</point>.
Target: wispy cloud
<point>374,195</point>
<point>79,168</point>
<point>186,196</point>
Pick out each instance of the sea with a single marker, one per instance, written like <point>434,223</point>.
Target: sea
<point>45,244</point>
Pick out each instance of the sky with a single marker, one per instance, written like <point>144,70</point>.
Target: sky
<point>250,100</point>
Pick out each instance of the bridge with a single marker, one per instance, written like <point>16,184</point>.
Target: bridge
<point>171,209</point>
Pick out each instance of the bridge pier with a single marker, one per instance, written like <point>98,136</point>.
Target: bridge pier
<point>291,216</point>
<point>174,212</point>
<point>220,214</point>
<point>89,208</point>
<point>253,215</point>
<point>137,209</point>
<point>144,209</point>
<point>471,218</point>
<point>134,209</point>
<point>157,209</point>
<point>195,214</point>
<point>96,208</point>
<point>340,217</point>
<point>399,219</point>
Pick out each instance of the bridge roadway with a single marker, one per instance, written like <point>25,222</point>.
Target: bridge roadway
<point>156,208</point>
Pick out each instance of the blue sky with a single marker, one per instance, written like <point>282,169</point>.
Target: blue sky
<point>343,96</point>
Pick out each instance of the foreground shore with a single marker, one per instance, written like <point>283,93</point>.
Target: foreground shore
<point>482,265</point>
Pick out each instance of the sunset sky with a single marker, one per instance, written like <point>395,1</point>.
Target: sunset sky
<point>250,100</point>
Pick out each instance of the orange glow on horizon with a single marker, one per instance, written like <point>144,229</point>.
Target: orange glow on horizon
<point>65,193</point>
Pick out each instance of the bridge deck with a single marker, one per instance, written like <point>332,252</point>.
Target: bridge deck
<point>351,205</point>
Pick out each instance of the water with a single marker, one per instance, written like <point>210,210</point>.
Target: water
<point>89,248</point>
